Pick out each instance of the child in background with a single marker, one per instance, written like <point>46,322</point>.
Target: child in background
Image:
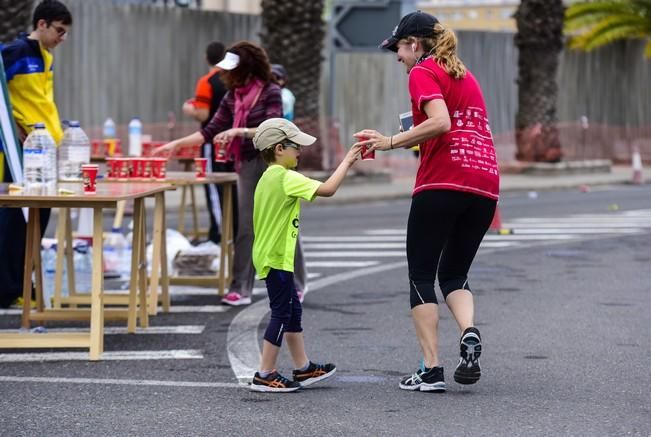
<point>276,210</point>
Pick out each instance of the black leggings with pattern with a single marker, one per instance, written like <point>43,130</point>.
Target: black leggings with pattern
<point>444,231</point>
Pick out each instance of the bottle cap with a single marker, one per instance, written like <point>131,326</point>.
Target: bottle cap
<point>73,123</point>
<point>39,125</point>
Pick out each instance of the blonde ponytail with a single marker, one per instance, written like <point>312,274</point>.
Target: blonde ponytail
<point>443,47</point>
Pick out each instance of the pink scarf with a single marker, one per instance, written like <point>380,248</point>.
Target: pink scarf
<point>245,99</point>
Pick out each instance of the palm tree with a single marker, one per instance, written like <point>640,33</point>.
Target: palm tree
<point>597,23</point>
<point>539,40</point>
<point>293,34</point>
<point>14,18</point>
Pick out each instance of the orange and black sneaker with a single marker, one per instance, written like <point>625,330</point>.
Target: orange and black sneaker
<point>314,373</point>
<point>274,382</point>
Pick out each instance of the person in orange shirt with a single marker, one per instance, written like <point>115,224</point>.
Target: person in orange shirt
<point>208,94</point>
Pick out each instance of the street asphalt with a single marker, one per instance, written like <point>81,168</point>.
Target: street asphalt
<point>564,325</point>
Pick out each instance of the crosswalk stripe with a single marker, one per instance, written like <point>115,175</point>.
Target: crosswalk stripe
<point>556,230</point>
<point>352,238</point>
<point>335,264</point>
<point>322,246</point>
<point>113,381</point>
<point>402,238</point>
<point>175,354</point>
<point>356,254</point>
<point>576,225</point>
<point>116,330</point>
<point>199,309</point>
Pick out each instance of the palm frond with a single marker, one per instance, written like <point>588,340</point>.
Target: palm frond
<point>601,22</point>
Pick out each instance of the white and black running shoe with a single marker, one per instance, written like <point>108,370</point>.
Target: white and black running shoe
<point>422,380</point>
<point>468,370</point>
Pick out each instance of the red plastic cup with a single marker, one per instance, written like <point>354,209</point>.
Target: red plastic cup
<point>200,167</point>
<point>111,168</point>
<point>89,176</point>
<point>147,168</point>
<point>96,148</point>
<point>122,168</point>
<point>220,152</point>
<point>366,154</point>
<point>158,168</point>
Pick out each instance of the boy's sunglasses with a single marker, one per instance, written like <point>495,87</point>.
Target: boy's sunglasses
<point>292,145</point>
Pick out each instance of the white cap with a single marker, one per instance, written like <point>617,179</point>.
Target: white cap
<point>230,61</point>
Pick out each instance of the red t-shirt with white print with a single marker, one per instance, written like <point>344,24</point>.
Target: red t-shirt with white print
<point>462,159</point>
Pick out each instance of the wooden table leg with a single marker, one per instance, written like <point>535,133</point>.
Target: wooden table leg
<point>181,226</point>
<point>38,271</point>
<point>29,266</point>
<point>142,269</point>
<point>70,259</point>
<point>97,289</point>
<point>165,279</point>
<point>135,267</point>
<point>225,261</point>
<point>159,263</point>
<point>119,214</point>
<point>195,214</point>
<point>58,269</point>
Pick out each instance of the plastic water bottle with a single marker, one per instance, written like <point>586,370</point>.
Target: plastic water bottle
<point>74,152</point>
<point>39,159</point>
<point>108,132</point>
<point>49,256</point>
<point>83,262</point>
<point>135,137</point>
<point>115,253</point>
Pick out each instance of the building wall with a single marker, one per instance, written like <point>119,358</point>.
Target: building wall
<point>234,6</point>
<point>473,15</point>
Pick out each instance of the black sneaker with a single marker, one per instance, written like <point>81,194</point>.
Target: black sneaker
<point>274,382</point>
<point>314,373</point>
<point>431,380</point>
<point>468,370</point>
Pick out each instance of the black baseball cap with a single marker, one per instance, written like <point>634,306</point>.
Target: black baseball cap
<point>419,24</point>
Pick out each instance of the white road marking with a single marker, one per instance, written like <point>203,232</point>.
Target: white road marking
<point>336,264</point>
<point>118,330</point>
<point>322,246</point>
<point>103,381</point>
<point>199,309</point>
<point>178,354</point>
<point>561,230</point>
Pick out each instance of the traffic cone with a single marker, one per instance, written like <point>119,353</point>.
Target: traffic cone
<point>496,224</point>
<point>638,175</point>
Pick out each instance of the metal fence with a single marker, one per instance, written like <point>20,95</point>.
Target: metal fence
<point>609,86</point>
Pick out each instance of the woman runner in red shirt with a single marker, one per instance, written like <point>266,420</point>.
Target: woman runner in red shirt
<point>455,194</point>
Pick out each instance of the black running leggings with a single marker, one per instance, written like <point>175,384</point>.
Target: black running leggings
<point>444,231</point>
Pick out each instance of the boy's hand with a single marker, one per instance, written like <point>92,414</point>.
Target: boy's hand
<point>373,140</point>
<point>353,154</point>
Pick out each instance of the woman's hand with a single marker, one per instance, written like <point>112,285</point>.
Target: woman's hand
<point>166,150</point>
<point>373,140</point>
<point>228,135</point>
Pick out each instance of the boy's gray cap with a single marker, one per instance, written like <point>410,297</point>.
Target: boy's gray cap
<point>276,130</point>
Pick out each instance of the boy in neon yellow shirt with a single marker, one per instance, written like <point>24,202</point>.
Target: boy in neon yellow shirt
<point>276,211</point>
